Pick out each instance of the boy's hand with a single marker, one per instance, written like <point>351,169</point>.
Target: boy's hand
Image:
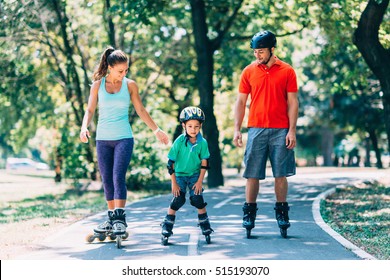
<point>175,190</point>
<point>197,188</point>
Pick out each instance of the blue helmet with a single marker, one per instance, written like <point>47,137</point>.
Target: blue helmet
<point>264,39</point>
<point>191,113</point>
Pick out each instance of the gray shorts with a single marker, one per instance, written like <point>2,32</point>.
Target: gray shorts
<point>268,142</point>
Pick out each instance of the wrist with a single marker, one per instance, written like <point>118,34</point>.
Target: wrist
<point>156,130</point>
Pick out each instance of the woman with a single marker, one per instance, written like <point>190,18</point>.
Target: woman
<point>113,93</point>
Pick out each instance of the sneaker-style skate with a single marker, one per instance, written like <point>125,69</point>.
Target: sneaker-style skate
<point>249,217</point>
<point>166,228</point>
<point>281,214</point>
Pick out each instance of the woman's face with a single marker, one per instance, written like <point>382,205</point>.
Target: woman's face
<point>118,71</point>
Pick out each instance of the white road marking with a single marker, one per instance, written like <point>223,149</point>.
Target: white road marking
<point>223,202</point>
<point>193,243</point>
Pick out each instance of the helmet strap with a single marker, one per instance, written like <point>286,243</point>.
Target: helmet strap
<point>188,137</point>
<point>269,58</point>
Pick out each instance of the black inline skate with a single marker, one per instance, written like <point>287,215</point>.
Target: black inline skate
<point>166,228</point>
<point>104,230</point>
<point>281,213</point>
<point>204,224</point>
<point>119,226</point>
<point>248,220</point>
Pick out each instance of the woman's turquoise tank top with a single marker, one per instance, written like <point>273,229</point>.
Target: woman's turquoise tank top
<point>113,121</point>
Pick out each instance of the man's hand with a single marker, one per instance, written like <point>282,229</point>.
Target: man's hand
<point>237,140</point>
<point>291,140</point>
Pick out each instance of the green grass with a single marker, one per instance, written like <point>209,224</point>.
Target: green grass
<point>72,203</point>
<point>53,206</point>
<point>361,214</point>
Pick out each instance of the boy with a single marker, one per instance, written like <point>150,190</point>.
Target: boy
<point>187,165</point>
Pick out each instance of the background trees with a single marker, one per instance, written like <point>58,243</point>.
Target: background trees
<point>192,53</point>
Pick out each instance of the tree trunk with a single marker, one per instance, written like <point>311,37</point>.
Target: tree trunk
<point>376,56</point>
<point>110,24</point>
<point>72,79</point>
<point>205,71</point>
<point>367,161</point>
<point>374,141</point>
<point>327,145</point>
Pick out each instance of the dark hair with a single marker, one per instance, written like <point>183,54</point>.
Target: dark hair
<point>110,57</point>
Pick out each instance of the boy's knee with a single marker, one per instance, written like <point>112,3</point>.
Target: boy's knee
<point>178,202</point>
<point>197,201</point>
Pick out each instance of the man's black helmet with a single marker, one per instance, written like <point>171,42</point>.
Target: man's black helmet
<point>191,113</point>
<point>264,39</point>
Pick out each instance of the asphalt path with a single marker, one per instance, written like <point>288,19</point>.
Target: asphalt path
<point>308,237</point>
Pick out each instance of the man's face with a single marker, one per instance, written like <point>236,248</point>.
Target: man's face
<point>262,55</point>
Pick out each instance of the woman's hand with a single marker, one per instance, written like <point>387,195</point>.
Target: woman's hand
<point>162,136</point>
<point>84,135</point>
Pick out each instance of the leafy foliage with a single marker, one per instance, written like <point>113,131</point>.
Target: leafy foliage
<point>48,58</point>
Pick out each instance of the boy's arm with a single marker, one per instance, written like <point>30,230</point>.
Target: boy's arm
<point>199,184</point>
<point>175,187</point>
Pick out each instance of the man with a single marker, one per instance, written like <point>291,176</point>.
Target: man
<point>273,114</point>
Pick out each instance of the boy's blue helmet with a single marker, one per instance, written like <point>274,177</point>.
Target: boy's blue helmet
<point>191,113</point>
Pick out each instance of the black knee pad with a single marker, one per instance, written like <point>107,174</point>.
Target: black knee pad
<point>197,201</point>
<point>178,202</point>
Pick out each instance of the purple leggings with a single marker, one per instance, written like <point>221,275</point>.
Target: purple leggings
<point>113,159</point>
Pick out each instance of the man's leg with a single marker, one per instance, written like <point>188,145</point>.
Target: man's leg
<point>281,205</point>
<point>252,190</point>
<point>281,188</point>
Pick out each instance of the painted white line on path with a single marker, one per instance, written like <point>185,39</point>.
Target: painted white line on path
<point>320,222</point>
<point>193,243</point>
<point>224,202</point>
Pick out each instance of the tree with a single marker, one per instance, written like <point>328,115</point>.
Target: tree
<point>205,48</point>
<point>367,40</point>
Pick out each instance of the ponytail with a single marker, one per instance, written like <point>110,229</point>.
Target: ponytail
<point>110,57</point>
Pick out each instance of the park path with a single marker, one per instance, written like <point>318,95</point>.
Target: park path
<point>307,240</point>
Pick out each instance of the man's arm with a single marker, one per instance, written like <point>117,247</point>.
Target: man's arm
<point>293,105</point>
<point>239,113</point>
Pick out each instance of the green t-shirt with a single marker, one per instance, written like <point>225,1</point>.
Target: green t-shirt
<point>187,156</point>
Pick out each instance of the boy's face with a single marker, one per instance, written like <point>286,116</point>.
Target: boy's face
<point>192,127</point>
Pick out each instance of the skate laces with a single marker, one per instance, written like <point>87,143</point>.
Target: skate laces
<point>105,225</point>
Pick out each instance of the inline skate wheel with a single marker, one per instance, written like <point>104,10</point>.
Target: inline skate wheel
<point>125,236</point>
<point>90,238</point>
<point>283,232</point>
<point>164,240</point>
<point>101,237</point>
<point>112,237</point>
<point>208,239</point>
<point>118,241</point>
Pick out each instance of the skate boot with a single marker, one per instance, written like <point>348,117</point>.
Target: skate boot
<point>204,225</point>
<point>106,226</point>
<point>119,226</point>
<point>167,226</point>
<point>103,230</point>
<point>248,220</point>
<point>281,213</point>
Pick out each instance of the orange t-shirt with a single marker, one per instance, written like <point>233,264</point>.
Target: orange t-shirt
<point>268,88</point>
